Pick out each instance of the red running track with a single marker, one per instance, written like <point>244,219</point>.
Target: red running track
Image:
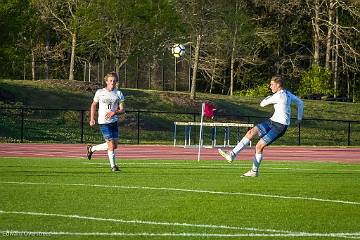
<point>328,154</point>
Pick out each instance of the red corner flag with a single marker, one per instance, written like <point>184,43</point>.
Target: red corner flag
<point>209,110</point>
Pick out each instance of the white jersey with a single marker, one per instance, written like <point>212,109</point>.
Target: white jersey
<point>282,104</point>
<point>108,102</point>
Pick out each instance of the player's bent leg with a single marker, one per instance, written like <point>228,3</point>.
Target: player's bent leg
<point>254,171</point>
<point>244,142</point>
<point>229,156</point>
<point>252,133</point>
<point>91,149</point>
<point>112,144</point>
<point>260,146</point>
<point>99,147</point>
<point>89,152</point>
<point>115,144</point>
<point>251,173</point>
<point>258,155</point>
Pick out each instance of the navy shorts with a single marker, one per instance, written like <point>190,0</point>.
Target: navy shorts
<point>269,131</point>
<point>110,131</point>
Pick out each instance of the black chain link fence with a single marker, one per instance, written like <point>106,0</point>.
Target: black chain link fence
<point>28,125</point>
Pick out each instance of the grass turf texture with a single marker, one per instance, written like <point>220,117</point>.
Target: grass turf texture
<point>68,196</point>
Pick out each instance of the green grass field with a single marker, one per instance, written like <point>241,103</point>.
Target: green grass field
<point>80,199</point>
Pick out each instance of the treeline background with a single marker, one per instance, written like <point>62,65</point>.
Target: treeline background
<point>233,47</point>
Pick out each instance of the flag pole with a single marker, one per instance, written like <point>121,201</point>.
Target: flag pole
<point>201,130</point>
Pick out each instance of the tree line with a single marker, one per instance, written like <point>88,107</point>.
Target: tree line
<point>232,46</point>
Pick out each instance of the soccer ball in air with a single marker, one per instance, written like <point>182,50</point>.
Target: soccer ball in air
<point>178,50</point>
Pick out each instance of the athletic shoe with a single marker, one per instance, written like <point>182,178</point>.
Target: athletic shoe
<point>229,156</point>
<point>250,173</point>
<point>89,152</point>
<point>115,168</point>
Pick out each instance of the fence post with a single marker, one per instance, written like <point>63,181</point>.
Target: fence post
<point>98,72</point>
<point>175,73</point>
<point>194,129</point>
<point>189,72</point>
<point>22,125</point>
<point>82,126</point>
<point>125,75</point>
<point>24,70</point>
<point>89,71</point>
<point>84,71</point>
<point>299,134</point>
<point>349,132</point>
<point>137,72</point>
<point>138,127</point>
<point>163,72</point>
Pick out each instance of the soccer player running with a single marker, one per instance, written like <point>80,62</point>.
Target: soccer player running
<point>270,129</point>
<point>111,103</point>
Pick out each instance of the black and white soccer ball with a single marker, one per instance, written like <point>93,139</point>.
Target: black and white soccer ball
<point>178,50</point>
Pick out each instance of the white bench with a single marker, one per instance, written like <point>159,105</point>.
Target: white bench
<point>214,125</point>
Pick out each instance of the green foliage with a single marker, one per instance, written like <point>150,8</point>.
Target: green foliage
<point>259,91</point>
<point>315,81</point>
<point>262,37</point>
<point>18,29</point>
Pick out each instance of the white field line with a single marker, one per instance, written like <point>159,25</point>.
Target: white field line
<point>155,163</point>
<point>147,222</point>
<point>187,190</point>
<point>273,232</point>
<point>173,234</point>
<point>218,165</point>
<point>314,169</point>
<point>215,166</point>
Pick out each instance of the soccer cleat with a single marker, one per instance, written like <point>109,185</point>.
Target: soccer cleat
<point>115,168</point>
<point>250,173</point>
<point>89,152</point>
<point>228,156</point>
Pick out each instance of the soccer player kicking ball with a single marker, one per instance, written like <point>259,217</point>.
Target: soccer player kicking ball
<point>270,129</point>
<point>111,103</point>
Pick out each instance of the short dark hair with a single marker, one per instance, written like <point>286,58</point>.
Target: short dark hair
<point>278,79</point>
